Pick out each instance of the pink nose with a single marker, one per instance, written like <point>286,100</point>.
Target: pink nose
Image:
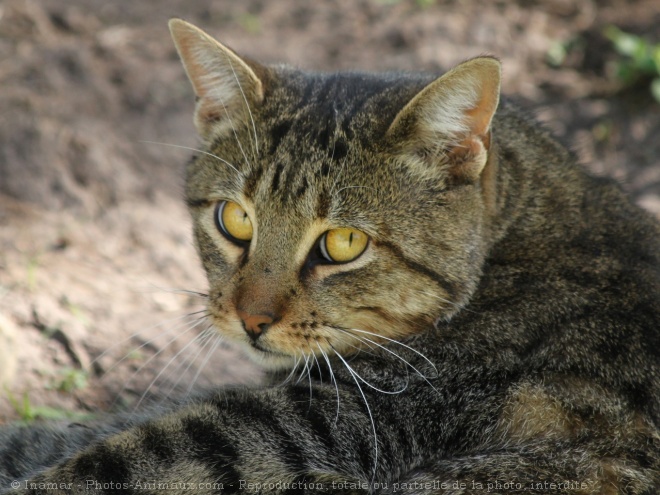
<point>255,325</point>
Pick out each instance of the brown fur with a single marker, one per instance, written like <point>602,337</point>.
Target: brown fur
<point>500,332</point>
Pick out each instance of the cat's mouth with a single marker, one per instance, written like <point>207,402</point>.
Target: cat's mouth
<point>258,346</point>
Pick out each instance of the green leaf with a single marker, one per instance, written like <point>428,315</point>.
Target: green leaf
<point>655,89</point>
<point>556,54</point>
<point>52,413</point>
<point>624,43</point>
<point>656,58</point>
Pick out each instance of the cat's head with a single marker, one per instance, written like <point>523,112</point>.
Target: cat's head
<point>332,210</point>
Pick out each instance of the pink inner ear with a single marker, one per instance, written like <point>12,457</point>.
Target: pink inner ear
<point>192,45</point>
<point>478,120</point>
<point>456,107</point>
<point>469,155</point>
<point>480,116</point>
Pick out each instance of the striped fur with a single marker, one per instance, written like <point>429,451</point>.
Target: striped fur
<point>500,333</point>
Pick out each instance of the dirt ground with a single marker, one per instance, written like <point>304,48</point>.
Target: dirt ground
<point>95,248</point>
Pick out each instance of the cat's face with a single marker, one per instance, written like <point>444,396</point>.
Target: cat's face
<point>334,212</point>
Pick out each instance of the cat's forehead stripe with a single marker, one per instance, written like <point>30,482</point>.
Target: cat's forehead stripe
<point>323,111</point>
<point>275,184</point>
<point>320,106</point>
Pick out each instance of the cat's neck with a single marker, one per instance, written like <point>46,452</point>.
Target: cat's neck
<point>530,188</point>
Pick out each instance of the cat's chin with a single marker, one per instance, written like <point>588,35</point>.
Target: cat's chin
<point>269,360</point>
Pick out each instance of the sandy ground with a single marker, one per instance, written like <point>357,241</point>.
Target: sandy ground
<point>95,248</point>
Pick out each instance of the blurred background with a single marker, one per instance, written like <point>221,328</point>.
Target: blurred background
<point>95,248</point>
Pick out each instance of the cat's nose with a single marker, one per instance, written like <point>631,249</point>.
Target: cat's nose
<point>255,325</point>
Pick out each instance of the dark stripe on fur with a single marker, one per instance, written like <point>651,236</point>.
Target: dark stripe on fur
<point>277,134</point>
<point>299,398</point>
<point>447,286</point>
<point>276,177</point>
<point>252,180</point>
<point>104,465</point>
<point>155,441</point>
<point>261,412</point>
<point>209,443</point>
<point>198,203</point>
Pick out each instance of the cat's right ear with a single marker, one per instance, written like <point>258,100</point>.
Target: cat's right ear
<point>226,86</point>
<point>445,128</point>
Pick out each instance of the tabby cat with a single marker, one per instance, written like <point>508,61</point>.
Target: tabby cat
<point>470,311</point>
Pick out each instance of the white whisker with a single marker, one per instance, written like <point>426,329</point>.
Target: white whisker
<point>318,365</point>
<point>332,379</point>
<point>132,336</point>
<point>238,141</point>
<point>309,376</point>
<point>212,348</point>
<point>292,373</point>
<point>302,373</point>
<point>155,355</point>
<point>419,373</point>
<point>247,105</point>
<point>358,350</point>
<point>377,389</point>
<point>451,303</point>
<point>203,339</point>
<point>393,341</point>
<point>192,341</point>
<point>197,151</point>
<point>366,403</point>
<point>178,291</point>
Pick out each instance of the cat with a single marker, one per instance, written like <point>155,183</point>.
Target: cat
<point>459,307</point>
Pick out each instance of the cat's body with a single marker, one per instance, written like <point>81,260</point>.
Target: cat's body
<point>505,304</point>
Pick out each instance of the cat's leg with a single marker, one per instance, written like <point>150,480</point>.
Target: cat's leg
<point>29,449</point>
<point>541,468</point>
<point>241,441</point>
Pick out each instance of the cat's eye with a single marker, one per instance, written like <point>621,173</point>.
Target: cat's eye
<point>343,245</point>
<point>233,222</point>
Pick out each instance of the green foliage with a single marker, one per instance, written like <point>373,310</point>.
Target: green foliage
<point>75,310</point>
<point>640,59</point>
<point>70,379</point>
<point>29,413</point>
<point>32,266</point>
<point>559,50</point>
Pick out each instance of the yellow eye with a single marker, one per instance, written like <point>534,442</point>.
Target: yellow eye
<point>343,245</point>
<point>233,221</point>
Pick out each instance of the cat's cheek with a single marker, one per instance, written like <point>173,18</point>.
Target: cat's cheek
<point>228,327</point>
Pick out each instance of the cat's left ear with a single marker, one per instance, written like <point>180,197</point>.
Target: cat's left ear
<point>226,85</point>
<point>448,122</point>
